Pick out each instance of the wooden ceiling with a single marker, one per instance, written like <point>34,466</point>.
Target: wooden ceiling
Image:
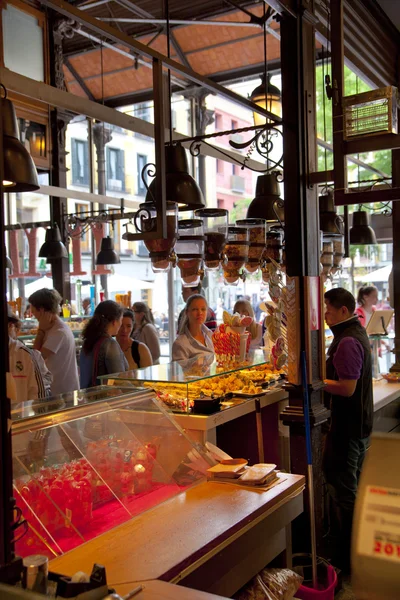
<point>221,52</point>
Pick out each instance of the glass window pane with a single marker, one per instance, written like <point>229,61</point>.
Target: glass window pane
<point>22,31</point>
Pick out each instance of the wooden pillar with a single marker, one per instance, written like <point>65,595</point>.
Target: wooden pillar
<point>302,241</point>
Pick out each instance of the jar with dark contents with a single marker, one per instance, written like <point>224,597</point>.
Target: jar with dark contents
<point>189,250</point>
<point>160,249</point>
<point>215,223</point>
<point>327,257</point>
<point>236,252</point>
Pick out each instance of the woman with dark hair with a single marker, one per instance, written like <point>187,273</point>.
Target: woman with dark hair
<point>144,330</point>
<point>136,353</point>
<point>367,298</point>
<point>194,337</point>
<point>100,353</point>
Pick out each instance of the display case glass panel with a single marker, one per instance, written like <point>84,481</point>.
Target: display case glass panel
<point>178,384</point>
<point>80,471</point>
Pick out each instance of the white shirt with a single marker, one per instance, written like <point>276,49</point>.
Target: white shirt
<point>62,362</point>
<point>256,343</point>
<point>186,346</point>
<point>25,371</point>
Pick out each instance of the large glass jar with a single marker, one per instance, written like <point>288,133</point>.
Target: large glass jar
<point>257,229</point>
<point>189,249</point>
<point>327,256</point>
<point>161,249</point>
<point>236,252</point>
<point>215,231</point>
<point>274,246</point>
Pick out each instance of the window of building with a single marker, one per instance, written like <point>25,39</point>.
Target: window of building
<point>220,166</point>
<point>143,111</point>
<point>115,169</point>
<point>220,203</point>
<point>218,121</point>
<point>233,169</point>
<point>234,124</point>
<point>141,162</point>
<point>80,162</point>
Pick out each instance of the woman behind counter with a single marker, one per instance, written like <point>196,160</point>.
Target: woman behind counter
<point>367,299</point>
<point>194,338</point>
<point>244,309</point>
<point>101,354</point>
<point>144,330</point>
<point>136,353</point>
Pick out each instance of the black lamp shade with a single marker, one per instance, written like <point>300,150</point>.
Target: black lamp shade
<point>181,187</point>
<point>267,203</point>
<point>329,220</point>
<point>267,97</point>
<point>361,234</point>
<point>53,247</point>
<point>20,173</point>
<point>107,254</point>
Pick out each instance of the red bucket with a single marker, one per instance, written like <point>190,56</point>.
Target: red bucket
<point>325,591</point>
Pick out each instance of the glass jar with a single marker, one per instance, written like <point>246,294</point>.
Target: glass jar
<point>274,246</point>
<point>338,252</point>
<point>161,249</point>
<point>189,249</point>
<point>215,222</point>
<point>327,256</point>
<point>257,229</point>
<point>236,253</point>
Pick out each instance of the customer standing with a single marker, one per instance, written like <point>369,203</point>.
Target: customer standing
<point>245,309</point>
<point>144,330</point>
<point>136,353</point>
<point>55,341</point>
<point>367,299</point>
<point>101,354</point>
<point>194,338</point>
<point>349,385</point>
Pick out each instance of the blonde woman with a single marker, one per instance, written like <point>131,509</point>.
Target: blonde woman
<point>144,330</point>
<point>244,309</point>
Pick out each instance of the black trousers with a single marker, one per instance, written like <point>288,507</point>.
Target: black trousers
<point>342,463</point>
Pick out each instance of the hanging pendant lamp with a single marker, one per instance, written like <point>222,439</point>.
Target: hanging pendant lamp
<point>267,203</point>
<point>107,254</point>
<point>361,234</point>
<point>181,187</point>
<point>53,247</point>
<point>266,96</point>
<point>20,173</point>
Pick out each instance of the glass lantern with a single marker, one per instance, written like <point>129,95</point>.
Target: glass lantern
<point>161,249</point>
<point>189,249</point>
<point>257,229</point>
<point>236,252</point>
<point>215,222</point>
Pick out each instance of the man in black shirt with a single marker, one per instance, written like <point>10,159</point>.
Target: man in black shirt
<point>349,390</point>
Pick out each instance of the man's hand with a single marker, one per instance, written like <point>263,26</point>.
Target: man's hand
<point>47,321</point>
<point>343,387</point>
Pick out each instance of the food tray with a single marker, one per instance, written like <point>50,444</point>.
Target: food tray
<point>391,377</point>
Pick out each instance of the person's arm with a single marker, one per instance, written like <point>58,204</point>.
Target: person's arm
<point>114,358</point>
<point>44,371</point>
<point>179,349</point>
<point>145,356</point>
<point>150,338</point>
<point>46,322</point>
<point>348,363</point>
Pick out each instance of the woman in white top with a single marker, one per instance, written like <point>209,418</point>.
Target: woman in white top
<point>136,353</point>
<point>244,309</point>
<point>194,337</point>
<point>144,330</point>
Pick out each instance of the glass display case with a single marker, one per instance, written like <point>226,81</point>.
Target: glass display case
<point>179,384</point>
<point>88,461</point>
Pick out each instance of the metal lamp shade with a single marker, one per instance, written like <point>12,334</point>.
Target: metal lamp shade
<point>267,97</point>
<point>361,234</point>
<point>53,247</point>
<point>107,254</point>
<point>329,220</point>
<point>20,173</point>
<point>267,203</point>
<point>181,187</point>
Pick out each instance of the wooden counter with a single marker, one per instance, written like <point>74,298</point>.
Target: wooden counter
<point>214,538</point>
<point>386,406</point>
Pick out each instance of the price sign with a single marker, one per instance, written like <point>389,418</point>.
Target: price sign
<point>379,532</point>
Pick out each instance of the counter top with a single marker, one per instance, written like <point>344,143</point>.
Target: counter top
<point>175,537</point>
<point>384,393</point>
<point>161,590</point>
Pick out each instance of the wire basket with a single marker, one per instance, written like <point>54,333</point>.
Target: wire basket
<point>370,113</point>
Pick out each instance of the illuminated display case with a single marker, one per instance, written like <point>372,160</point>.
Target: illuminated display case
<point>178,384</point>
<point>88,461</point>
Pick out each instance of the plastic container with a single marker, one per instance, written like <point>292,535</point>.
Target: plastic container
<point>189,249</point>
<point>327,580</point>
<point>215,231</point>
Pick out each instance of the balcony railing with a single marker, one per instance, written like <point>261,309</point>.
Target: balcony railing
<point>237,184</point>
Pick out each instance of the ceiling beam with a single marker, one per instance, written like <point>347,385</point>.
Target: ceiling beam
<point>185,22</point>
<point>375,195</point>
<point>117,37</point>
<point>178,49</point>
<point>78,79</point>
